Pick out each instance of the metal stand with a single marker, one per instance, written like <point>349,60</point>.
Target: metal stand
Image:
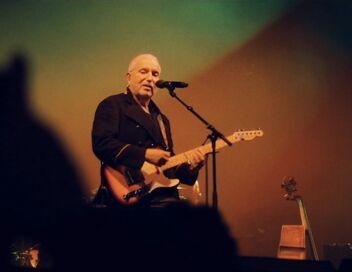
<point>215,134</point>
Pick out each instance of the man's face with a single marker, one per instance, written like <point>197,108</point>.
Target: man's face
<point>144,73</point>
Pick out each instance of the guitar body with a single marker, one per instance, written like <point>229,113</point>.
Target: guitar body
<point>128,191</point>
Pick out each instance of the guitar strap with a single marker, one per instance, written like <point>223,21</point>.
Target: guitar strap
<point>163,130</point>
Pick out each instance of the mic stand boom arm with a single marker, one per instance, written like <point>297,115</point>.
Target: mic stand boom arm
<point>215,134</point>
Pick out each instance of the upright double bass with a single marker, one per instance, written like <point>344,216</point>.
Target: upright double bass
<point>293,237</point>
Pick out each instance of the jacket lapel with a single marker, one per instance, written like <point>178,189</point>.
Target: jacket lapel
<point>135,112</point>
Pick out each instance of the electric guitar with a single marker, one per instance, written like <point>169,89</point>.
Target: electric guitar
<point>128,188</point>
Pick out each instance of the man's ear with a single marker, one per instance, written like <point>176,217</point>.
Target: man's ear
<point>128,78</point>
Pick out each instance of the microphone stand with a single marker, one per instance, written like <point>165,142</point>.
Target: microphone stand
<point>215,134</point>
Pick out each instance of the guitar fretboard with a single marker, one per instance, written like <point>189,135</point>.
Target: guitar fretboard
<point>206,149</point>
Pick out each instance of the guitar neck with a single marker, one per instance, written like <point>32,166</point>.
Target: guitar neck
<point>302,212</point>
<point>305,223</point>
<point>205,149</point>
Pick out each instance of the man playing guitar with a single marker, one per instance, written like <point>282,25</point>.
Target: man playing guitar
<point>130,134</point>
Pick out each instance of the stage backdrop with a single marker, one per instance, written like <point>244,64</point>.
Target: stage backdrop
<point>281,66</point>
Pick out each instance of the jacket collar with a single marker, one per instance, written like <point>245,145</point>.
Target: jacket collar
<point>131,100</point>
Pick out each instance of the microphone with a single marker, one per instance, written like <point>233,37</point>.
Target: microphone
<point>170,84</point>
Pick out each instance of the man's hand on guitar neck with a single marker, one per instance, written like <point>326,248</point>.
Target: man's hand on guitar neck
<point>195,160</point>
<point>157,156</point>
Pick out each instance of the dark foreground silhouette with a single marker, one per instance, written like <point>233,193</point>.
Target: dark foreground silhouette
<point>42,208</point>
<point>38,183</point>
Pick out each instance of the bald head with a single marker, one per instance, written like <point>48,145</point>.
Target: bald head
<point>142,58</point>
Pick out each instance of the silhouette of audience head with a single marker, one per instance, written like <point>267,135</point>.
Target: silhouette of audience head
<point>39,184</point>
<point>180,237</point>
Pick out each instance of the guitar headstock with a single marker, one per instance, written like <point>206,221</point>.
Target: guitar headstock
<point>246,135</point>
<point>289,185</point>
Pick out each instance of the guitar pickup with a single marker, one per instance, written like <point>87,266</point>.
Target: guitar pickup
<point>134,176</point>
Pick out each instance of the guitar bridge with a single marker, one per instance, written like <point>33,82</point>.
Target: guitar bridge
<point>136,193</point>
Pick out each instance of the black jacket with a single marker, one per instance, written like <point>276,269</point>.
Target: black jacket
<point>122,132</point>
